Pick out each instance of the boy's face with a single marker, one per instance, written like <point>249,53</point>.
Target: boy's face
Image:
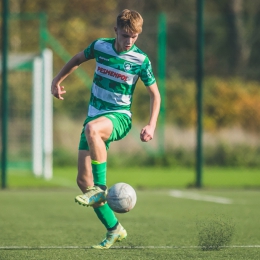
<point>124,40</point>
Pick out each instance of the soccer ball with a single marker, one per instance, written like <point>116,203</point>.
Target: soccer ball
<point>121,197</point>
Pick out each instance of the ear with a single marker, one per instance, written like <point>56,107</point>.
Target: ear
<point>115,29</point>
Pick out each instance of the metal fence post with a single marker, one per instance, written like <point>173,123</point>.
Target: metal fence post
<point>200,54</point>
<point>4,93</point>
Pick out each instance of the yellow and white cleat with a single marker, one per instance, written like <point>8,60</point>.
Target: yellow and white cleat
<point>92,196</point>
<point>111,237</point>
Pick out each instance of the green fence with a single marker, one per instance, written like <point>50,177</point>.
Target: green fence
<point>231,87</point>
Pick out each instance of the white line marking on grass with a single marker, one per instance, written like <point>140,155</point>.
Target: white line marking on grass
<point>117,247</point>
<point>200,197</point>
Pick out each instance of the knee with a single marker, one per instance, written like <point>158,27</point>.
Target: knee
<point>90,129</point>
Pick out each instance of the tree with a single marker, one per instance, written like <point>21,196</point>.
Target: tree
<point>239,49</point>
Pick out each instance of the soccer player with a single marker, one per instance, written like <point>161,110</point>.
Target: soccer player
<point>119,64</point>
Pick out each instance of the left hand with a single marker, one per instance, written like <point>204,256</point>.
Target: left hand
<point>147,133</point>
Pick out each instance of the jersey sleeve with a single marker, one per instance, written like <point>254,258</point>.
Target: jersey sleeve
<point>89,51</point>
<point>147,75</point>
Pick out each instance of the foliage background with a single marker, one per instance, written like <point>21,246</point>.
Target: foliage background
<point>231,86</point>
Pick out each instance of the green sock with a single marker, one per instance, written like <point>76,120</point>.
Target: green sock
<point>106,216</point>
<point>99,171</point>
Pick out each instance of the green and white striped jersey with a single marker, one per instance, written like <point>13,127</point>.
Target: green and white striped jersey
<point>116,76</point>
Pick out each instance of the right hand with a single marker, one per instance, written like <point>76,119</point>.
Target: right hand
<point>57,90</point>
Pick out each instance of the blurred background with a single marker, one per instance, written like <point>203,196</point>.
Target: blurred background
<point>231,85</point>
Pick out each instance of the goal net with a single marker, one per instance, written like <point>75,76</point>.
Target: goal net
<point>29,139</point>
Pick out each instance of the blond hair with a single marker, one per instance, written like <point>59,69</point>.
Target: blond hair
<point>130,21</point>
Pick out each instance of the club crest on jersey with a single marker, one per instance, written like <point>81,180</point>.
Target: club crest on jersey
<point>127,66</point>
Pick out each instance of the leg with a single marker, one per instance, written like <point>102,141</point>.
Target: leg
<point>85,176</point>
<point>94,136</point>
<point>92,163</point>
<point>97,132</point>
<point>85,180</point>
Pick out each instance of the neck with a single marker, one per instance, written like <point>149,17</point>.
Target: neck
<point>116,46</point>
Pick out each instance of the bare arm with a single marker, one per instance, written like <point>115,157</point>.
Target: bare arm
<point>147,132</point>
<point>57,90</point>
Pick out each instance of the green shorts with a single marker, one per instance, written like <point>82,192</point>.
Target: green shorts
<point>122,124</point>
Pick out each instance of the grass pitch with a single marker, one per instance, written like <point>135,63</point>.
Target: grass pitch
<point>146,178</point>
<point>45,223</point>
